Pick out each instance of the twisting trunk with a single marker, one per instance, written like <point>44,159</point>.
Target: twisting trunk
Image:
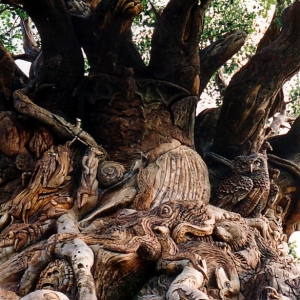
<point>102,193</point>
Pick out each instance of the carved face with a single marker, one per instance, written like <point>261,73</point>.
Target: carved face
<point>50,278</point>
<point>231,232</point>
<point>58,276</point>
<point>223,232</point>
<point>96,151</point>
<point>248,164</point>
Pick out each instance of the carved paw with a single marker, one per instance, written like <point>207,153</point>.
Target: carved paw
<point>8,245</point>
<point>198,295</point>
<point>24,235</point>
<point>195,295</point>
<point>84,223</point>
<point>187,292</point>
<point>7,241</point>
<point>53,213</point>
<point>27,236</point>
<point>56,208</point>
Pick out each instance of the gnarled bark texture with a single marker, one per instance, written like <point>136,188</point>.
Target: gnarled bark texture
<point>102,193</point>
<point>253,90</point>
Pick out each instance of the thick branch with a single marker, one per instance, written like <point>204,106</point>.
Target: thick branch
<point>113,48</point>
<point>270,35</point>
<point>175,44</point>
<point>252,91</point>
<point>288,145</point>
<point>63,129</point>
<point>216,54</point>
<point>7,68</point>
<point>29,45</point>
<point>84,23</point>
<point>11,78</point>
<point>63,61</point>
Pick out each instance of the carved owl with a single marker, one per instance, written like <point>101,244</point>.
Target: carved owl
<point>246,192</point>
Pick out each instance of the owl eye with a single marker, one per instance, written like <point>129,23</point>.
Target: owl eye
<point>257,163</point>
<point>244,165</point>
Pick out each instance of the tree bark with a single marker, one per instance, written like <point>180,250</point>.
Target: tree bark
<point>215,55</point>
<point>119,205</point>
<point>252,91</point>
<point>174,57</point>
<point>62,66</point>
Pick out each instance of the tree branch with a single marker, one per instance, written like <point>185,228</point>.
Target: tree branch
<point>11,78</point>
<point>291,138</point>
<point>62,57</point>
<point>252,91</point>
<point>175,44</point>
<point>216,54</point>
<point>270,35</point>
<point>114,46</point>
<point>23,56</point>
<point>29,45</point>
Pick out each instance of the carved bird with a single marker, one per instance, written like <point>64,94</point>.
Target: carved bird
<point>246,192</point>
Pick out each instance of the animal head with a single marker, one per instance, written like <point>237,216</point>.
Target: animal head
<point>173,213</point>
<point>249,164</point>
<point>233,233</point>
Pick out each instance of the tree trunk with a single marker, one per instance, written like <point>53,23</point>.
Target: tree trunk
<point>103,195</point>
<point>252,91</point>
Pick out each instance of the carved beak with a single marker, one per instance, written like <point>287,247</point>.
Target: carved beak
<point>251,168</point>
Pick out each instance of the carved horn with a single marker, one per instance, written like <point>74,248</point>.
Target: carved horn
<point>180,231</point>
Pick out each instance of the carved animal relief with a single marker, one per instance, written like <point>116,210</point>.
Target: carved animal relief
<point>121,207</point>
<point>121,220</point>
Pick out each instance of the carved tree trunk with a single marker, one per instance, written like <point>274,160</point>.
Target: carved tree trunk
<point>252,92</point>
<point>102,193</point>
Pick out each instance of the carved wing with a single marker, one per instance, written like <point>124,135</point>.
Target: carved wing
<point>233,190</point>
<point>253,203</point>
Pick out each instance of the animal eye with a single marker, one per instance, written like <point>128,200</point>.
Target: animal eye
<point>257,163</point>
<point>244,165</point>
<point>157,231</point>
<point>165,211</point>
